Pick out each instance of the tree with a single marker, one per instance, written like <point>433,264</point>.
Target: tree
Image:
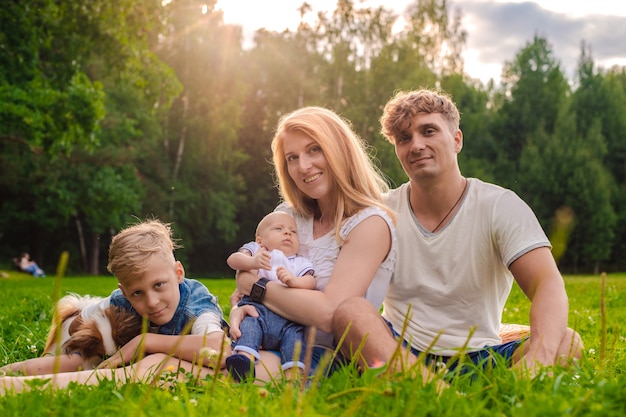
<point>534,91</point>
<point>85,99</point>
<point>480,150</point>
<point>564,170</point>
<point>201,175</point>
<point>600,103</point>
<point>47,102</point>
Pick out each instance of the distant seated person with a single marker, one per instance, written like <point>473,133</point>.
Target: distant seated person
<point>28,265</point>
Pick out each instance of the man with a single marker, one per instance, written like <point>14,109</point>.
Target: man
<point>461,242</point>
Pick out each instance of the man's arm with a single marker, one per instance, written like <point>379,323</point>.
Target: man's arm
<point>538,276</point>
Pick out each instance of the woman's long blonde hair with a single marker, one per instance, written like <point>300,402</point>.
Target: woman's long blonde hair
<point>356,182</point>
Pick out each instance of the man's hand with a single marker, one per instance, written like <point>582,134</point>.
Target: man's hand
<point>236,317</point>
<point>527,367</point>
<point>533,359</point>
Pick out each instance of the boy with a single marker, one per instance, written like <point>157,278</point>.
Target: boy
<point>152,284</point>
<point>275,255</point>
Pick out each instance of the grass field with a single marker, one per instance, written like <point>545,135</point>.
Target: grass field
<point>596,386</point>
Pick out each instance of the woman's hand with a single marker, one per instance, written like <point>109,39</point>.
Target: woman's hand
<point>236,317</point>
<point>235,297</point>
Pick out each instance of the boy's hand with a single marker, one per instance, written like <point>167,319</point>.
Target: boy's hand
<point>131,351</point>
<point>262,259</point>
<point>285,276</point>
<point>236,317</point>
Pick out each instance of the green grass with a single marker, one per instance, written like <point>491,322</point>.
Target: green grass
<point>594,387</point>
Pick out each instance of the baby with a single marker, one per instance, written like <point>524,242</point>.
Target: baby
<point>275,255</point>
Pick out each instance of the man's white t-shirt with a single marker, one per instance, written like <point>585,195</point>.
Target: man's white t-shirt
<point>458,278</point>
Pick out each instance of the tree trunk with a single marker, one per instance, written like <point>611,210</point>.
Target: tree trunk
<point>81,243</point>
<point>95,254</point>
<point>179,153</point>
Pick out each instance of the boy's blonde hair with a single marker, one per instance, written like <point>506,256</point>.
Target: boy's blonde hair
<point>404,106</point>
<point>356,182</point>
<point>132,248</point>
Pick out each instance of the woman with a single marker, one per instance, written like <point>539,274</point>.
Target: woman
<point>331,187</point>
<point>28,265</point>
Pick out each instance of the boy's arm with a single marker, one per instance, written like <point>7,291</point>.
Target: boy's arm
<point>306,281</point>
<point>188,347</point>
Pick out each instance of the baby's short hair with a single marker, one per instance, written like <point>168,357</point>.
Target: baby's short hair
<point>132,248</point>
<point>269,218</point>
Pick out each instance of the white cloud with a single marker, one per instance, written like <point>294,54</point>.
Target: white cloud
<point>497,29</point>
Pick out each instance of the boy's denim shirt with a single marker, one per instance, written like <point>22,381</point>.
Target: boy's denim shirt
<point>195,299</point>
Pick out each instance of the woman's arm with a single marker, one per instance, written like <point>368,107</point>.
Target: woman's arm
<point>366,247</point>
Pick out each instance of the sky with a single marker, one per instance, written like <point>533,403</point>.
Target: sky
<point>497,29</point>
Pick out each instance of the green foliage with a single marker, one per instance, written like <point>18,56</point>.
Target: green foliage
<point>112,192</point>
<point>593,387</point>
<point>535,88</point>
<point>89,92</point>
<point>111,111</point>
<point>565,170</point>
<point>600,107</point>
<point>48,119</point>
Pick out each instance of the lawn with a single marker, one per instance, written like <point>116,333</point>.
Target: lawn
<point>596,386</point>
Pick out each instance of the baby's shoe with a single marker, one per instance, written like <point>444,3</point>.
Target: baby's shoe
<point>240,367</point>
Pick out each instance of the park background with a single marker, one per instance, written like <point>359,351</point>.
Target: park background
<point>111,112</point>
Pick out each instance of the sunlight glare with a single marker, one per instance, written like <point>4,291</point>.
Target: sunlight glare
<point>619,62</point>
<point>254,14</point>
<point>398,25</point>
<point>479,70</point>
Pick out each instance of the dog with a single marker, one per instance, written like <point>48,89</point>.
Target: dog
<point>95,337</point>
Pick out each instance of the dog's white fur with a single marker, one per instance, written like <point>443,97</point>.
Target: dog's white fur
<point>68,308</point>
<point>94,337</point>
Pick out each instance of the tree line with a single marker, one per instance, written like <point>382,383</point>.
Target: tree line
<point>116,111</point>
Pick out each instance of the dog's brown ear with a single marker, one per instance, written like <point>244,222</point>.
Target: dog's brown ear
<point>75,325</point>
<point>124,325</point>
<point>87,341</point>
